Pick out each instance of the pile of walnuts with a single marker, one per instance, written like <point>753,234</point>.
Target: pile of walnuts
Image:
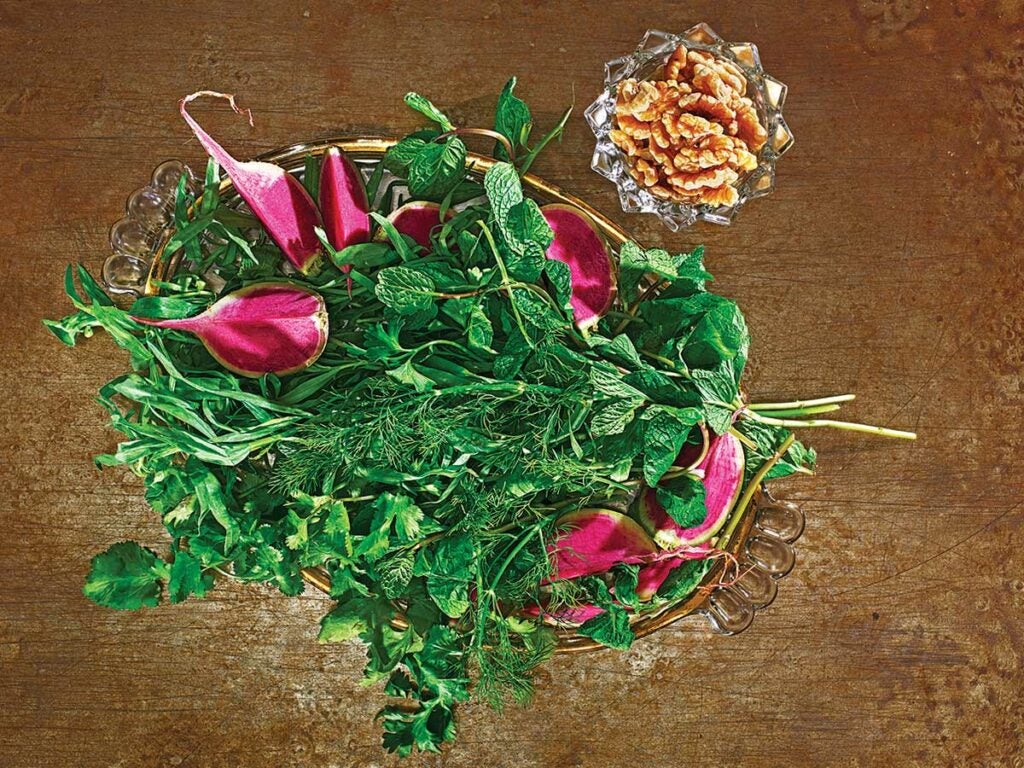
<point>689,137</point>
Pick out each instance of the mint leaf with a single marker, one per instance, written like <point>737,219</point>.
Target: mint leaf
<point>613,417</point>
<point>394,573</point>
<point>398,158</point>
<point>718,383</point>
<point>126,577</point>
<point>523,233</point>
<point>405,290</point>
<point>633,258</point>
<point>719,335</point>
<point>437,169</point>
<point>620,349</point>
<point>627,577</point>
<point>560,278</point>
<point>512,119</point>
<point>718,419</point>
<point>684,578</point>
<point>637,264</point>
<point>608,381</point>
<point>503,189</point>
<point>479,331</point>
<point>610,628</point>
<point>426,107</point>
<point>535,311</point>
<point>525,261</point>
<point>683,499</point>
<point>524,223</point>
<point>664,437</point>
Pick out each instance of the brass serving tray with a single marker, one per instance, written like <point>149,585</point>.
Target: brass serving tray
<point>761,541</point>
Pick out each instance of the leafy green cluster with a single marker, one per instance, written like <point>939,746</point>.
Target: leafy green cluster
<point>422,461</point>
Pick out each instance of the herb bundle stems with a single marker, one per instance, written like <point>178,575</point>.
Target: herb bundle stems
<point>845,425</point>
<point>801,403</point>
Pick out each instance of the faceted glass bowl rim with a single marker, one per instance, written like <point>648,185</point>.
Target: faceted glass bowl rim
<point>701,601</point>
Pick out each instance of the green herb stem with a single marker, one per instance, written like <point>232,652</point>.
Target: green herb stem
<point>789,413</point>
<point>552,134</point>
<point>481,132</point>
<point>505,279</point>
<point>801,403</point>
<point>846,425</point>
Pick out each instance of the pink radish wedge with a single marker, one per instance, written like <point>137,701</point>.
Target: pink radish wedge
<point>591,541</point>
<point>275,197</point>
<point>417,219</point>
<point>723,479</point>
<point>263,328</point>
<point>653,575</point>
<point>580,246</point>
<point>343,202</point>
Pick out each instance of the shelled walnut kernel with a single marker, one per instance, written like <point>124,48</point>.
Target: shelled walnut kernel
<point>689,136</point>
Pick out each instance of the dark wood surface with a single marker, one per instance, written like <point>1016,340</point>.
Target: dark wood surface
<point>888,263</point>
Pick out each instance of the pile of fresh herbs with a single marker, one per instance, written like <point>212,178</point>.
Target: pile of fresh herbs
<point>421,463</point>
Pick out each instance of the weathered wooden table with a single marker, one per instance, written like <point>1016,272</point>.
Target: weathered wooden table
<point>888,263</point>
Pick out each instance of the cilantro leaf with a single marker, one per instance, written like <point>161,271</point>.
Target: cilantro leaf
<point>345,621</point>
<point>407,374</point>
<point>126,577</point>
<point>187,578</point>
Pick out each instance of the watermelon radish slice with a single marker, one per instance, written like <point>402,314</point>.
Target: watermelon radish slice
<point>580,246</point>
<point>723,479</point>
<point>343,202</point>
<point>591,541</point>
<point>275,197</point>
<point>416,219</point>
<point>273,327</point>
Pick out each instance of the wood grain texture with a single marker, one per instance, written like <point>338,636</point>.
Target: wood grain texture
<point>887,263</point>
